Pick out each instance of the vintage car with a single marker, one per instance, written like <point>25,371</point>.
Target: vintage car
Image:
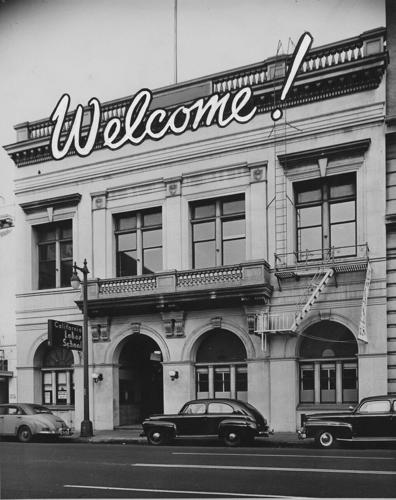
<point>25,420</point>
<point>373,419</point>
<point>234,422</point>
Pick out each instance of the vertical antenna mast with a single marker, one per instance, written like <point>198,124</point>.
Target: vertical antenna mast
<point>175,27</point>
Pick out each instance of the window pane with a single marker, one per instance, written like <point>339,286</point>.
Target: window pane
<point>127,264</point>
<point>47,275</point>
<point>204,210</point>
<point>233,251</point>
<point>309,216</point>
<point>339,189</point>
<point>66,250</point>
<point>309,196</point>
<point>349,382</point>
<point>232,228</point>
<point>222,379</point>
<point>219,408</point>
<point>66,269</point>
<point>233,206</point>
<point>343,235</point>
<point>202,380</point>
<point>126,222</point>
<point>152,260</point>
<point>204,231</point>
<point>241,378</point>
<point>47,252</point>
<point>152,238</point>
<point>195,409</point>
<point>46,233</point>
<point>126,241</point>
<point>307,384</point>
<point>309,239</point>
<point>327,383</point>
<point>340,212</point>
<point>375,407</point>
<point>66,231</point>
<point>152,218</point>
<point>204,254</point>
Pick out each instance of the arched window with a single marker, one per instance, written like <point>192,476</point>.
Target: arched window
<point>328,364</point>
<point>57,377</point>
<point>220,369</point>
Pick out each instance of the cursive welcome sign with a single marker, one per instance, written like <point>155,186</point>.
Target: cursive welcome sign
<point>139,123</point>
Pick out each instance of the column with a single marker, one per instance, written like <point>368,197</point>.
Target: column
<point>99,237</point>
<point>233,381</point>
<point>317,382</point>
<point>339,382</point>
<point>211,381</point>
<point>172,224</point>
<point>256,213</point>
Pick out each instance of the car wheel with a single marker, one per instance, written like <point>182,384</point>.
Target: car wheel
<point>157,437</point>
<point>325,439</point>
<point>24,434</point>
<point>232,438</point>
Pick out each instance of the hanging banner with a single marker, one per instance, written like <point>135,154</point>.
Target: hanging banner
<point>362,335</point>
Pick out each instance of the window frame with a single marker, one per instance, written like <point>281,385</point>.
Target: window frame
<point>139,231</point>
<point>218,218</point>
<point>325,202</point>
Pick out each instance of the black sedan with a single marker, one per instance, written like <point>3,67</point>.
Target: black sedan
<point>234,422</point>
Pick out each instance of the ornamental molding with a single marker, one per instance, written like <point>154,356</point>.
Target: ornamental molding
<point>68,200</point>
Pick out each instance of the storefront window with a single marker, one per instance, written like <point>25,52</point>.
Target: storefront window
<point>57,377</point>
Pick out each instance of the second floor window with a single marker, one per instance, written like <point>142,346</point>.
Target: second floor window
<point>326,217</point>
<point>139,242</point>
<point>55,254</point>
<point>218,232</point>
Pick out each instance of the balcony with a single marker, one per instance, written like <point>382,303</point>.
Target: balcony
<point>340,259</point>
<point>4,368</point>
<point>226,286</point>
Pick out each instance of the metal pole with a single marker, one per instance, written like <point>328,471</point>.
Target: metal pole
<point>86,424</point>
<point>175,27</point>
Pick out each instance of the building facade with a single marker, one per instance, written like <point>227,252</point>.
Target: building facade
<point>247,261</point>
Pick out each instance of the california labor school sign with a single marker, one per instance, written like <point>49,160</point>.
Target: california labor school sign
<point>62,334</point>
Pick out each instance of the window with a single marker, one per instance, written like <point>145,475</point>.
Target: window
<point>221,369</point>
<point>375,407</point>
<point>55,254</point>
<point>328,365</point>
<point>57,377</point>
<point>139,242</point>
<point>218,232</point>
<point>195,409</point>
<point>220,408</point>
<point>326,217</point>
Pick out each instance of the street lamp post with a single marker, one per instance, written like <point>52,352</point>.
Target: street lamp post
<point>86,425</point>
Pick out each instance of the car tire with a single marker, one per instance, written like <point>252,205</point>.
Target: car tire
<point>158,437</point>
<point>232,438</point>
<point>325,439</point>
<point>24,434</point>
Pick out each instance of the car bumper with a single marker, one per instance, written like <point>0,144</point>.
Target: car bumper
<point>301,434</point>
<point>266,433</point>
<point>56,432</point>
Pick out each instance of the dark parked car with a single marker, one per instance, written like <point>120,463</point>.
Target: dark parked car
<point>373,419</point>
<point>232,421</point>
<point>25,420</point>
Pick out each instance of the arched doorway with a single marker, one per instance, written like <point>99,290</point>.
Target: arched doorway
<point>140,379</point>
<point>220,366</point>
<point>328,364</point>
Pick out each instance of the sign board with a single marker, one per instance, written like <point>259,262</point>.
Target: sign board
<point>67,335</point>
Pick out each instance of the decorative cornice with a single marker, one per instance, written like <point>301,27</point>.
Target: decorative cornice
<point>69,200</point>
<point>290,160</point>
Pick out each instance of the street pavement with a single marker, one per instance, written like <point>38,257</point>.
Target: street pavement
<point>77,470</point>
<point>132,434</point>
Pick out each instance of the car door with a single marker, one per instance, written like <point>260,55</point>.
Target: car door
<point>217,412</point>
<point>3,411</point>
<point>11,419</point>
<point>192,420</point>
<point>373,419</point>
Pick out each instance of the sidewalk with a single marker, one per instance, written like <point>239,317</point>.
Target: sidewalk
<point>132,436</point>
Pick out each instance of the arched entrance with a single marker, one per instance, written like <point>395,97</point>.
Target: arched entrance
<point>220,366</point>
<point>328,364</point>
<point>140,379</point>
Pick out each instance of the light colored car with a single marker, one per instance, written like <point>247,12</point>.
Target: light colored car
<point>25,420</point>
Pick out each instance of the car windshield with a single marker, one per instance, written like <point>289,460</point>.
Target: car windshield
<point>40,409</point>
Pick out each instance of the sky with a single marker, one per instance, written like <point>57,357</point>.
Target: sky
<point>112,48</point>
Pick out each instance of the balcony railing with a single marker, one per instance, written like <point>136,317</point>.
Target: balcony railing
<point>335,55</point>
<point>3,365</point>
<point>351,257</point>
<point>179,282</point>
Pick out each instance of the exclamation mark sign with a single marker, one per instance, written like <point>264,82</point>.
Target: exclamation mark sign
<point>301,49</point>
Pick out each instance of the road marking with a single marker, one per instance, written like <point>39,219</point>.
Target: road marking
<point>281,455</point>
<point>272,469</point>
<point>182,492</point>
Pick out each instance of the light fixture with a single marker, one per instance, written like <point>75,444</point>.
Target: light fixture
<point>97,377</point>
<point>174,374</point>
